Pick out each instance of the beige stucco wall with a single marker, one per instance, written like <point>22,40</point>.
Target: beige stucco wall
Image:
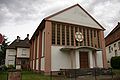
<point>77,16</point>
<point>70,60</point>
<point>59,60</point>
<point>23,52</point>
<point>99,59</point>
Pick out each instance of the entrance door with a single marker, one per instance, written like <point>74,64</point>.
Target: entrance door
<point>83,60</point>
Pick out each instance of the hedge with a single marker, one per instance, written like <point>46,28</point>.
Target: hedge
<point>115,62</point>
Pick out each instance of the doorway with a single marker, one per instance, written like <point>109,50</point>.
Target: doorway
<point>83,57</point>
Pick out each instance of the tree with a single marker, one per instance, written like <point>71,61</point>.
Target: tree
<point>3,50</point>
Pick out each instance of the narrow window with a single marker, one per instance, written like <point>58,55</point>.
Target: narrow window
<point>63,34</point>
<point>91,38</point>
<point>58,34</point>
<point>115,45</point>
<point>53,33</point>
<point>84,37</point>
<point>75,32</point>
<point>115,52</point>
<point>94,33</point>
<point>109,49</point>
<point>119,45</point>
<point>72,36</point>
<point>98,39</point>
<point>67,34</point>
<point>88,37</point>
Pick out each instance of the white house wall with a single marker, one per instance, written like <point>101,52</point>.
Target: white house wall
<point>23,52</point>
<point>112,53</point>
<point>42,64</point>
<point>37,67</point>
<point>38,46</point>
<point>77,59</point>
<point>59,60</point>
<point>77,16</point>
<point>10,57</point>
<point>99,59</point>
<point>43,42</point>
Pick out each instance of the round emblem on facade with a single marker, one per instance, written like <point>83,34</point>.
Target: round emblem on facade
<point>79,36</point>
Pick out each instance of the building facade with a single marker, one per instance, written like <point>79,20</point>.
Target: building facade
<point>113,43</point>
<point>69,39</point>
<point>18,53</point>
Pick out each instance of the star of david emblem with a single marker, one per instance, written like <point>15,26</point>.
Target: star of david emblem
<point>79,36</point>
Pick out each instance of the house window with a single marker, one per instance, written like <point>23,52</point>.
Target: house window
<point>115,52</point>
<point>119,45</point>
<point>84,37</point>
<point>72,36</point>
<point>91,38</point>
<point>53,33</point>
<point>94,33</point>
<point>75,32</point>
<point>58,34</point>
<point>24,52</point>
<point>67,34</point>
<point>88,37</point>
<point>115,45</point>
<point>109,49</point>
<point>63,34</point>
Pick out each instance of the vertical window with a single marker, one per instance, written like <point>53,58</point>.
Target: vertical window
<point>119,45</point>
<point>84,37</point>
<point>98,39</point>
<point>88,37</point>
<point>115,45</point>
<point>109,49</point>
<point>115,52</point>
<point>82,33</point>
<point>53,33</point>
<point>58,34</point>
<point>63,34</point>
<point>75,32</point>
<point>67,34</point>
<point>91,38</point>
<point>72,36</point>
<point>94,33</point>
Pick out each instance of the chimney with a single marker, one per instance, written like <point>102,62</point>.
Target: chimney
<point>28,36</point>
<point>18,38</point>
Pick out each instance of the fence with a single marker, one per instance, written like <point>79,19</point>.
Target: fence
<point>83,74</point>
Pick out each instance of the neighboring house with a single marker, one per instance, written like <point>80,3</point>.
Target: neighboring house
<point>17,53</point>
<point>113,43</point>
<point>69,39</point>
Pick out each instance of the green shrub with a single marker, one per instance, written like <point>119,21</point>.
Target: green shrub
<point>11,67</point>
<point>115,62</point>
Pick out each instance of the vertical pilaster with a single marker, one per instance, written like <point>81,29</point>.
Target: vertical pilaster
<point>48,41</point>
<point>103,49</point>
<point>40,50</point>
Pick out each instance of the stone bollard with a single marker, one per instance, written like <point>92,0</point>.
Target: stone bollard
<point>14,75</point>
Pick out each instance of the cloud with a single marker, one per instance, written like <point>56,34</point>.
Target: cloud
<point>19,17</point>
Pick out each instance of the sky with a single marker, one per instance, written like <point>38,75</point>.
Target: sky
<point>22,17</point>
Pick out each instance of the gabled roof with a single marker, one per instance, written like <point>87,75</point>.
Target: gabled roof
<point>113,36</point>
<point>115,29</point>
<point>42,24</point>
<point>21,43</point>
<point>67,17</point>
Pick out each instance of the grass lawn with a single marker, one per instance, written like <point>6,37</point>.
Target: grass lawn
<point>3,75</point>
<point>29,75</point>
